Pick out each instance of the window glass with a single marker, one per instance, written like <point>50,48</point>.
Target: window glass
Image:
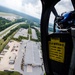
<point>61,7</point>
<point>20,40</point>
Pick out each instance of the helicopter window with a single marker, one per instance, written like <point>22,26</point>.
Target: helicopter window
<point>64,6</point>
<point>61,8</point>
<point>20,40</point>
<point>51,22</point>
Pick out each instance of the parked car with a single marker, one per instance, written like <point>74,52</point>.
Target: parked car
<point>12,59</point>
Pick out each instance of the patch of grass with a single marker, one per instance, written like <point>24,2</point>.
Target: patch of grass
<point>12,68</point>
<point>20,38</point>
<point>9,73</point>
<point>45,74</point>
<point>0,59</point>
<point>1,41</point>
<point>29,31</point>
<point>16,39</point>
<point>6,41</point>
<point>37,33</point>
<point>36,40</point>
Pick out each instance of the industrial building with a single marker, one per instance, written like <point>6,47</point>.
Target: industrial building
<point>32,59</point>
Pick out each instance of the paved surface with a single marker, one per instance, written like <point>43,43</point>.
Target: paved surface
<point>21,32</point>
<point>18,62</point>
<point>4,64</point>
<point>17,66</point>
<point>38,28</point>
<point>27,50</point>
<point>35,71</point>
<point>32,58</point>
<point>9,28</point>
<point>32,55</point>
<point>34,36</point>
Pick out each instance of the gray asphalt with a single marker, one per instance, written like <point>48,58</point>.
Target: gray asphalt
<point>15,25</point>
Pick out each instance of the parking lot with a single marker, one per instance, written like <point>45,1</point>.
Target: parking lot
<point>34,36</point>
<point>6,54</point>
<point>26,55</point>
<point>22,32</point>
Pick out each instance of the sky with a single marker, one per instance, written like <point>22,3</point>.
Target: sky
<point>61,7</point>
<point>31,7</point>
<point>34,7</point>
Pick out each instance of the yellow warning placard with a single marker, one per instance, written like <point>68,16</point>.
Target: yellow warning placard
<point>56,50</point>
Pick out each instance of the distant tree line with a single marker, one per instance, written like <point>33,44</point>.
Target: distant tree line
<point>4,26</point>
<point>3,21</point>
<point>26,26</point>
<point>32,23</point>
<point>20,20</point>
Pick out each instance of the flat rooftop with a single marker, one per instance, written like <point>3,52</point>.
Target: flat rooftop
<point>32,55</point>
<point>29,70</point>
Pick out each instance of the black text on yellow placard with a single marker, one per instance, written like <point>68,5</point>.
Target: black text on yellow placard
<point>56,50</point>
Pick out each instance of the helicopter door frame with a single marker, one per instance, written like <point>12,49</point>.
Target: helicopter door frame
<point>47,7</point>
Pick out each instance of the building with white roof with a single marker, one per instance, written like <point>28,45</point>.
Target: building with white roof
<point>32,55</point>
<point>32,59</point>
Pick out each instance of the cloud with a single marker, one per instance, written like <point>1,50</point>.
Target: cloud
<point>13,4</point>
<point>34,2</point>
<point>30,7</point>
<point>33,10</point>
<point>34,7</point>
<point>64,6</point>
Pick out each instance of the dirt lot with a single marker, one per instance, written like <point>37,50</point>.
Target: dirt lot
<point>6,54</point>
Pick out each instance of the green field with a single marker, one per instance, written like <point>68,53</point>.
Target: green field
<point>9,73</point>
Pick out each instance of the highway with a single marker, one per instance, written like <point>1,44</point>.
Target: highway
<point>7,30</point>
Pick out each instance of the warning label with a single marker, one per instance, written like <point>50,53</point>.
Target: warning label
<point>56,50</point>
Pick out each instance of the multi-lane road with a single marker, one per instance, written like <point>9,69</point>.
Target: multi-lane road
<point>7,30</point>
